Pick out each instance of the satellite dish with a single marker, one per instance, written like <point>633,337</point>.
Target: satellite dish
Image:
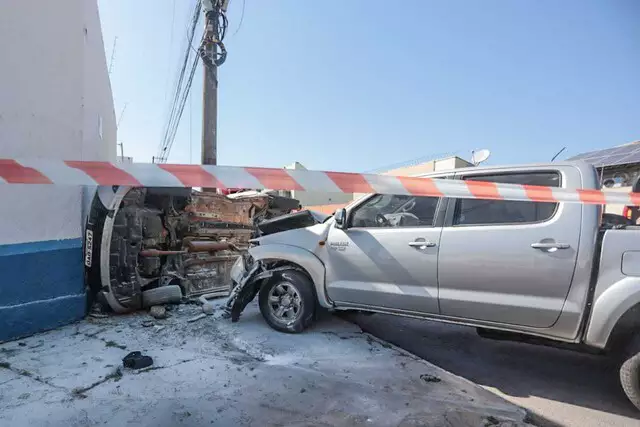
<point>479,156</point>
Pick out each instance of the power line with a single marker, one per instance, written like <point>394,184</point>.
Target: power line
<point>173,21</point>
<point>181,90</point>
<point>241,19</point>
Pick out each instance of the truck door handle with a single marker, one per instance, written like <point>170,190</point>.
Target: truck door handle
<point>422,244</point>
<point>550,245</point>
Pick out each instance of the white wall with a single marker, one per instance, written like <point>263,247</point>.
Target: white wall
<point>54,94</point>
<point>315,198</point>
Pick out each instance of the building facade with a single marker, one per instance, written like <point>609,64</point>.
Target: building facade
<point>418,169</point>
<point>310,198</point>
<point>56,103</point>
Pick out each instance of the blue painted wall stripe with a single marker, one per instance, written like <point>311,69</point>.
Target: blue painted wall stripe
<point>40,270</point>
<point>41,286</point>
<point>49,245</point>
<point>27,319</point>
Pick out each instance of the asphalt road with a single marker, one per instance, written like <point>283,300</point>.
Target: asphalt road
<point>560,387</point>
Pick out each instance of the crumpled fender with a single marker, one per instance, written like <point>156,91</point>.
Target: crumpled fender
<point>610,306</point>
<point>302,257</point>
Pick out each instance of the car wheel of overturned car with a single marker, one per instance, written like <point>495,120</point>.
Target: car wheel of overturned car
<point>630,372</point>
<point>170,294</point>
<point>287,301</point>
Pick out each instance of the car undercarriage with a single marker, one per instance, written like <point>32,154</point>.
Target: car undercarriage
<point>160,245</point>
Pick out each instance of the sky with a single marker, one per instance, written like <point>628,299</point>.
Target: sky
<point>361,85</point>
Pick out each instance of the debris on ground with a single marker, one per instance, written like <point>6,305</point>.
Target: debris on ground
<point>147,323</point>
<point>196,318</point>
<point>136,360</point>
<point>207,308</point>
<point>98,315</point>
<point>158,312</point>
<point>229,374</point>
<point>219,294</point>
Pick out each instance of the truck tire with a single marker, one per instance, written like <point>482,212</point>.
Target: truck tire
<point>630,371</point>
<point>288,302</point>
<point>163,295</point>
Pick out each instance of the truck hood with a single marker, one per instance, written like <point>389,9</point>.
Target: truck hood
<point>301,219</point>
<point>306,238</point>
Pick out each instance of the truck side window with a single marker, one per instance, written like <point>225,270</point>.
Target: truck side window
<point>383,210</point>
<point>480,212</point>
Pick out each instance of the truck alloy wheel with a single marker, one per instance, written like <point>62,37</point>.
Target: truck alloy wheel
<point>287,301</point>
<point>284,302</point>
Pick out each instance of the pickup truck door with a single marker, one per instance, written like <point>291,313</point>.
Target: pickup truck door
<point>510,262</point>
<point>388,255</point>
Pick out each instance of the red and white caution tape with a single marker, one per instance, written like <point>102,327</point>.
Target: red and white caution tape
<point>59,172</point>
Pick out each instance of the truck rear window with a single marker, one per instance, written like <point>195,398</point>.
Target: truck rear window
<point>492,212</point>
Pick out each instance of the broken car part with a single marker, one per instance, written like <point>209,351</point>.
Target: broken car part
<point>135,360</point>
<point>291,221</point>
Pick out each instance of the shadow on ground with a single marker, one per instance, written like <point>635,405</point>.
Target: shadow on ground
<point>515,369</point>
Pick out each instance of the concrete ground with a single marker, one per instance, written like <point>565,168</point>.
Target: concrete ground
<point>564,387</point>
<point>214,372</point>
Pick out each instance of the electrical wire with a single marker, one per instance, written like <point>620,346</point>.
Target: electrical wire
<point>181,90</point>
<point>180,110</point>
<point>214,57</point>
<point>211,57</point>
<point>241,19</point>
<point>173,22</point>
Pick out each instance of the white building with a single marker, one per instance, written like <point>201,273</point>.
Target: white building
<point>311,198</point>
<point>329,202</point>
<point>55,102</point>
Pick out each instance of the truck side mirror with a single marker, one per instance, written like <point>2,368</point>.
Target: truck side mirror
<point>341,218</point>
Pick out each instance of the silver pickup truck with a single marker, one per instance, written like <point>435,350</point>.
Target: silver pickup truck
<point>546,273</point>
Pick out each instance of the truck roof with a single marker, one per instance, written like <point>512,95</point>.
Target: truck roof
<point>583,166</point>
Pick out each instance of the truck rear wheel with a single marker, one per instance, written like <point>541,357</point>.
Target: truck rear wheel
<point>288,302</point>
<point>630,371</point>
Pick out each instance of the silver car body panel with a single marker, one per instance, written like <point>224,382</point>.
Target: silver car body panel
<point>618,285</point>
<point>492,273</point>
<point>488,277</point>
<point>377,267</point>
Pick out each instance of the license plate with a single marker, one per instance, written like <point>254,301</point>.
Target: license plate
<point>88,248</point>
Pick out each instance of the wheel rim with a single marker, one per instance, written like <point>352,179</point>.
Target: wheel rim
<point>285,303</point>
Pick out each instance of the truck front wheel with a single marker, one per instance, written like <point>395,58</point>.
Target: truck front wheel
<point>630,371</point>
<point>288,302</point>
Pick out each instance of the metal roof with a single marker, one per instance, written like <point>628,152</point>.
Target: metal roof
<point>620,155</point>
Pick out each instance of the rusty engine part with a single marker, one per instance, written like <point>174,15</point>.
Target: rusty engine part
<point>209,246</point>
<point>156,252</point>
<point>165,236</point>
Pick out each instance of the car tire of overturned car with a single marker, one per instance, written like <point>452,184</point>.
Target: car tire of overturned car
<point>287,301</point>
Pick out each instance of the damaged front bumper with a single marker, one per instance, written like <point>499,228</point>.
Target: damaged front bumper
<point>248,277</point>
<point>245,285</point>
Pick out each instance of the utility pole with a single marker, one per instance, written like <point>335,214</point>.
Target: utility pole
<point>213,55</point>
<point>210,90</point>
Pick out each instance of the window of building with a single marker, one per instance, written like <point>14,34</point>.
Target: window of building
<point>487,212</point>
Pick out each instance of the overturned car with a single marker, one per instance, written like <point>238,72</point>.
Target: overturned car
<point>150,246</point>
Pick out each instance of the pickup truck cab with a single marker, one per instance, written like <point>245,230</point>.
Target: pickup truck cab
<point>547,273</point>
